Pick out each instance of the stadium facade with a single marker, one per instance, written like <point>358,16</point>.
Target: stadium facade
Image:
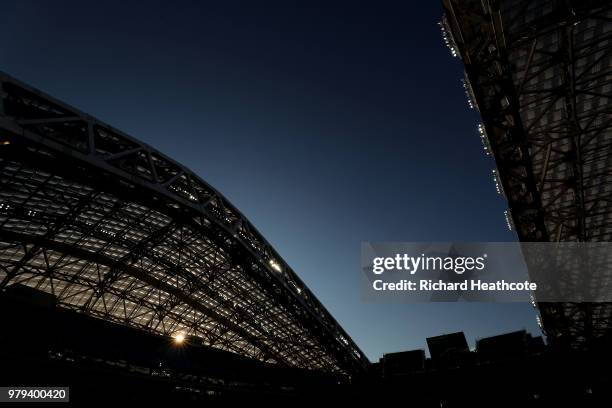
<point>540,75</point>
<point>114,229</point>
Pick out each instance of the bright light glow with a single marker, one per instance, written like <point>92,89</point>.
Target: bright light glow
<point>179,338</point>
<point>497,181</point>
<point>509,220</point>
<point>484,139</point>
<point>275,265</point>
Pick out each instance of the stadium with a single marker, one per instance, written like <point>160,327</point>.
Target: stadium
<point>111,228</point>
<point>123,270</point>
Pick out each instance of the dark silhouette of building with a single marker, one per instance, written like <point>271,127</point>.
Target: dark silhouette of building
<point>511,369</point>
<point>403,362</point>
<point>448,350</point>
<point>507,346</point>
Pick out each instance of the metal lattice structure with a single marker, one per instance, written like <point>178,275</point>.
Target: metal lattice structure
<point>540,74</point>
<point>117,230</point>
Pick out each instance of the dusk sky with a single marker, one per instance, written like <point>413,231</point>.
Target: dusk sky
<point>325,123</point>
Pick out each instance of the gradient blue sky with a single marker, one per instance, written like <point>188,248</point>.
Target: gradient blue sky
<point>325,123</point>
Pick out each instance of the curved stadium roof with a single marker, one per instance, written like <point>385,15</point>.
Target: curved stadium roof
<point>117,230</point>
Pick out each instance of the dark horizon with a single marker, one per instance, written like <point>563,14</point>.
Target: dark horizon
<point>323,129</point>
